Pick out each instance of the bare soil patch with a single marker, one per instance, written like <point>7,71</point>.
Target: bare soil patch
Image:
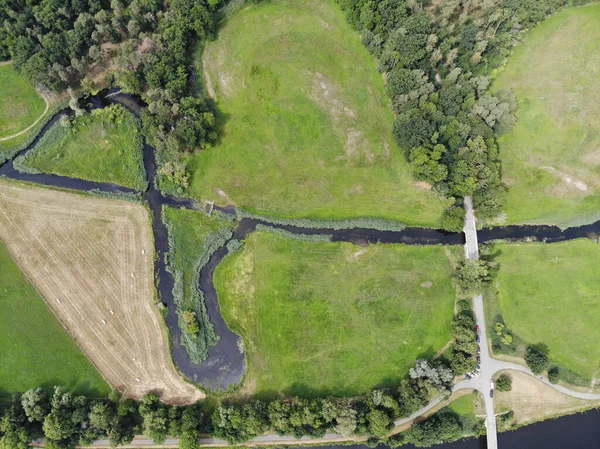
<point>532,400</point>
<point>92,261</point>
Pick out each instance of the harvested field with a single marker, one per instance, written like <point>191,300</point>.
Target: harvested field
<point>532,400</point>
<point>92,261</point>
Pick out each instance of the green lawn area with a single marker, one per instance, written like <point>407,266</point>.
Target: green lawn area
<point>20,104</point>
<point>307,123</point>
<point>334,318</point>
<point>104,146</point>
<point>193,237</point>
<point>465,405</point>
<point>551,159</point>
<point>550,293</point>
<point>35,349</point>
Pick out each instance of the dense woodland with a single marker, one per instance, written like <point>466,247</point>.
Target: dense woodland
<point>144,47</point>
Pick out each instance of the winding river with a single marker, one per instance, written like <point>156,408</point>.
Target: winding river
<point>225,364</point>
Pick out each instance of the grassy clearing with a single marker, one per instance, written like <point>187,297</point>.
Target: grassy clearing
<point>20,104</point>
<point>307,124</point>
<point>334,318</point>
<point>34,348</point>
<point>551,159</point>
<point>467,407</point>
<point>549,293</point>
<point>104,146</point>
<point>193,237</point>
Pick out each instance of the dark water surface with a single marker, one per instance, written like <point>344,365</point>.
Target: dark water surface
<point>225,365</point>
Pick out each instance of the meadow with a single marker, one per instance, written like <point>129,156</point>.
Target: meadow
<point>334,318</point>
<point>551,158</point>
<point>306,123</point>
<point>104,145</point>
<point>20,104</point>
<point>550,293</point>
<point>35,349</point>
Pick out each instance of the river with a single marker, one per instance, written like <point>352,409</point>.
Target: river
<point>225,364</point>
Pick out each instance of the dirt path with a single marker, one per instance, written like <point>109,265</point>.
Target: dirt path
<point>2,139</point>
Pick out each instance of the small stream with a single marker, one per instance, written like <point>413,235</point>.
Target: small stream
<point>225,365</point>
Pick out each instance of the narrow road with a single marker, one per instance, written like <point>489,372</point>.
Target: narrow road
<point>482,381</point>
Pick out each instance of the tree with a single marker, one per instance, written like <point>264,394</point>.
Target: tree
<point>440,428</point>
<point>453,219</point>
<point>155,420</point>
<point>36,404</point>
<point>504,383</point>
<point>240,423</point>
<point>471,274</point>
<point>341,414</point>
<point>536,357</point>
<point>438,376</point>
<point>63,425</point>
<point>13,426</point>
<point>191,423</point>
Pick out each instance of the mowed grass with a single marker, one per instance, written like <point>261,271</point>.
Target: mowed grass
<point>103,146</point>
<point>551,159</point>
<point>20,104</point>
<point>334,318</point>
<point>34,348</point>
<point>550,293</point>
<point>307,123</point>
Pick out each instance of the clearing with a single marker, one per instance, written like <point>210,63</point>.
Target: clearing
<point>551,159</point>
<point>103,146</point>
<point>532,400</point>
<point>34,348</point>
<point>332,318</point>
<point>306,121</point>
<point>20,104</point>
<point>92,261</point>
<point>549,293</point>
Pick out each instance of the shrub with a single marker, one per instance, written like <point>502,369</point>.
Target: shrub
<point>453,219</point>
<point>504,383</point>
<point>536,357</point>
<point>554,374</point>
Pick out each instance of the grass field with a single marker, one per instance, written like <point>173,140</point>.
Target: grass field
<point>20,104</point>
<point>550,293</point>
<point>193,237</point>
<point>92,260</point>
<point>321,318</point>
<point>104,146</point>
<point>307,124</point>
<point>34,348</point>
<point>551,159</point>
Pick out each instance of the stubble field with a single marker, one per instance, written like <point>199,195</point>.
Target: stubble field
<point>92,261</point>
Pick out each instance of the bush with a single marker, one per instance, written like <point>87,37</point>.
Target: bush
<point>453,219</point>
<point>554,375</point>
<point>536,357</point>
<point>504,383</point>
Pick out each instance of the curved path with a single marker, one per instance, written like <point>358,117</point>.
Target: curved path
<point>2,139</point>
<point>226,364</point>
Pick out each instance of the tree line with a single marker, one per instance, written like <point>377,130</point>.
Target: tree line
<point>66,420</point>
<point>437,61</point>
<point>146,47</point>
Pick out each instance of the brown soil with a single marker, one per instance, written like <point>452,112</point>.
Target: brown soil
<point>84,255</point>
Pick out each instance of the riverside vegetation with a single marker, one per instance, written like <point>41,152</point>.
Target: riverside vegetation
<point>104,145</point>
